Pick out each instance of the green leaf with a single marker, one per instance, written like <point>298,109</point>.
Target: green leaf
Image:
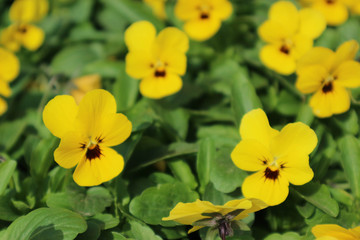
<point>156,202</point>
<point>143,232</point>
<point>203,162</point>
<point>305,114</point>
<point>106,221</point>
<point>350,152</point>
<point>46,223</point>
<point>92,232</point>
<point>10,132</point>
<point>348,122</point>
<point>7,169</point>
<point>7,211</point>
<point>285,236</point>
<point>182,171</point>
<point>288,104</point>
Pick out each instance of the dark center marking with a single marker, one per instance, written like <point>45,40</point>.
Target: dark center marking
<point>269,174</point>
<point>93,152</point>
<point>285,49</point>
<point>22,29</point>
<point>160,73</point>
<point>204,15</point>
<point>330,1</point>
<point>327,87</point>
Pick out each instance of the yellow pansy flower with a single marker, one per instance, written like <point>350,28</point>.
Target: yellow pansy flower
<point>202,17</point>
<point>328,74</point>
<point>85,84</point>
<point>289,34</point>
<point>87,131</point>
<point>158,7</point>
<point>354,6</point>
<point>203,213</point>
<point>9,70</point>
<point>335,232</point>
<point>277,157</point>
<point>156,60</point>
<point>26,11</point>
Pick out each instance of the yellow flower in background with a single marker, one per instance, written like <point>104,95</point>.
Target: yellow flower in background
<point>203,213</point>
<point>9,70</point>
<point>85,84</point>
<point>289,34</point>
<point>278,158</point>
<point>354,6</point>
<point>328,74</point>
<point>25,11</point>
<point>17,35</point>
<point>202,17</point>
<point>158,7</point>
<point>87,131</point>
<point>156,60</point>
<point>335,232</point>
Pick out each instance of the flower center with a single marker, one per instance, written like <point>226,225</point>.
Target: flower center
<point>159,67</point>
<point>93,150</point>
<point>330,1</point>
<point>285,49</point>
<point>204,10</point>
<point>272,170</point>
<point>328,84</point>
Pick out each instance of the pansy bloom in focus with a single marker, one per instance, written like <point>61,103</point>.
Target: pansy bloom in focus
<point>202,17</point>
<point>328,74</point>
<point>277,157</point>
<point>204,214</point>
<point>85,84</point>
<point>158,7</point>
<point>156,60</point>
<point>289,34</point>
<point>87,131</point>
<point>9,70</point>
<point>335,232</point>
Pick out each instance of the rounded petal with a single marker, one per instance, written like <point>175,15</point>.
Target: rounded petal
<point>7,38</point>
<point>312,23</point>
<point>271,32</point>
<point>202,29</point>
<point>286,15</point>
<point>59,115</point>
<point>96,171</point>
<point>273,58</point>
<point>159,87</point>
<point>272,192</point>
<point>187,9</point>
<point>116,129</point>
<point>139,64</point>
<point>251,155</point>
<point>334,102</point>
<point>88,82</point>
<point>28,10</point>
<point>310,78</point>
<point>345,52</point>
<point>296,168</point>
<point>70,151</point>
<point>140,36</point>
<point>335,13</point>
<point>3,106</point>
<point>175,62</point>
<point>348,74</point>
<point>5,89</point>
<point>301,45</point>
<point>294,137</point>
<point>317,56</point>
<point>257,205</point>
<point>222,9</point>
<point>255,125</point>
<point>172,39</point>
<point>10,65</point>
<point>331,230</point>
<point>158,7</point>
<point>30,36</point>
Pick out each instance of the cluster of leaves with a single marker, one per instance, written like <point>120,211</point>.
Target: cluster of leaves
<point>180,146</point>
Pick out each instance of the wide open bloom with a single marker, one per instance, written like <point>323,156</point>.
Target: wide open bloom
<point>156,60</point>
<point>203,213</point>
<point>85,84</point>
<point>26,11</point>
<point>87,131</point>
<point>9,70</point>
<point>327,74</point>
<point>202,17</point>
<point>335,232</point>
<point>277,157</point>
<point>289,34</point>
<point>158,7</point>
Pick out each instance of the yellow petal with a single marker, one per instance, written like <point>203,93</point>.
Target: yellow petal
<point>187,9</point>
<point>159,87</point>
<point>139,64</point>
<point>172,39</point>
<point>116,129</point>
<point>251,155</point>
<point>255,125</point>
<point>272,192</point>
<point>296,168</point>
<point>175,62</point>
<point>88,82</point>
<point>96,171</point>
<point>158,7</point>
<point>202,29</point>
<point>312,23</point>
<point>335,13</point>
<point>301,45</point>
<point>345,52</point>
<point>7,38</point>
<point>78,95</point>
<point>70,151</point>
<point>221,9</point>
<point>317,56</point>
<point>59,115</point>
<point>3,106</point>
<point>334,102</point>
<point>271,32</point>
<point>332,230</point>
<point>310,78</point>
<point>140,36</point>
<point>194,229</point>
<point>28,10</point>
<point>32,37</point>
<point>286,15</point>
<point>5,89</point>
<point>257,205</point>
<point>233,205</point>
<point>273,58</point>
<point>10,65</point>
<point>348,74</point>
<point>294,137</point>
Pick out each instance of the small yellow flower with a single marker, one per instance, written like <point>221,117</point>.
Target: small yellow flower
<point>87,132</point>
<point>202,17</point>
<point>158,7</point>
<point>156,60</point>
<point>203,213</point>
<point>289,34</point>
<point>25,11</point>
<point>277,157</point>
<point>354,6</point>
<point>335,232</point>
<point>327,75</point>
<point>85,84</point>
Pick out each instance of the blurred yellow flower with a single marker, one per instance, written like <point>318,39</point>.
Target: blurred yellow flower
<point>202,17</point>
<point>289,34</point>
<point>9,70</point>
<point>203,213</point>
<point>158,7</point>
<point>335,232</point>
<point>354,6</point>
<point>277,157</point>
<point>156,60</point>
<point>25,11</point>
<point>327,74</point>
<point>87,132</point>
<point>85,84</point>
